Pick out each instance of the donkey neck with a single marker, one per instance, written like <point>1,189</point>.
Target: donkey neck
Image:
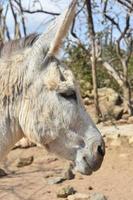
<point>10,133</point>
<point>11,89</point>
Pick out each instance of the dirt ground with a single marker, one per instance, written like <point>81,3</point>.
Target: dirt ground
<point>114,179</point>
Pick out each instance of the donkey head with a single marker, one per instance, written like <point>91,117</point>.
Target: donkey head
<point>52,112</point>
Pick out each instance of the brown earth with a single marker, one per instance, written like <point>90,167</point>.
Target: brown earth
<point>114,179</point>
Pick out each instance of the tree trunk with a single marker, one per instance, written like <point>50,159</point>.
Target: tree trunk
<point>126,89</point>
<point>93,58</point>
<point>127,99</point>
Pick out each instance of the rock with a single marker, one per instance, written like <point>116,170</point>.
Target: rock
<point>130,120</point>
<point>25,161</point>
<point>2,173</point>
<point>56,180</point>
<point>108,100</point>
<point>97,196</point>
<point>69,175</point>
<point>109,95</point>
<point>125,116</point>
<point>117,112</point>
<point>65,192</point>
<point>24,143</point>
<point>78,196</point>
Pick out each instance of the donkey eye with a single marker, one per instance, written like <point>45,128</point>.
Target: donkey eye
<point>69,95</point>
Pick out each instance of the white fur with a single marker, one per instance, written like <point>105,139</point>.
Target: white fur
<point>32,104</point>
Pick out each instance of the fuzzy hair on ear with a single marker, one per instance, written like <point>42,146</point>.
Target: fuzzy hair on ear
<point>49,42</point>
<point>63,23</point>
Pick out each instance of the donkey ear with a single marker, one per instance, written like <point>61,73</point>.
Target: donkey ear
<point>50,41</point>
<point>62,25</point>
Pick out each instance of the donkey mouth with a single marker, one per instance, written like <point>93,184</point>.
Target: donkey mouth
<point>83,168</point>
<point>86,168</point>
<point>93,166</point>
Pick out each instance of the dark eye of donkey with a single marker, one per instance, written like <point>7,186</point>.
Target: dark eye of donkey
<point>69,95</point>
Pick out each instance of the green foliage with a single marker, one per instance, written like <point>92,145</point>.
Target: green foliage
<point>79,61</point>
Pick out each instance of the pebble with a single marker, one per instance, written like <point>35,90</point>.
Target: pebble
<point>2,173</point>
<point>56,180</point>
<point>25,161</point>
<point>78,196</point>
<point>68,174</point>
<point>65,192</point>
<point>97,196</point>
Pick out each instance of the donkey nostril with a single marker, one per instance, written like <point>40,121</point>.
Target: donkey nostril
<point>100,150</point>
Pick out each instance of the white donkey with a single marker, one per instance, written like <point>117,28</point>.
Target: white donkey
<point>40,99</point>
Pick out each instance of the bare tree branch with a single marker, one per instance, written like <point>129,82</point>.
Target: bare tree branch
<point>113,73</point>
<point>22,14</point>
<point>40,11</point>
<point>17,30</point>
<point>112,20</point>
<point>126,3</point>
<point>93,58</point>
<point>125,29</point>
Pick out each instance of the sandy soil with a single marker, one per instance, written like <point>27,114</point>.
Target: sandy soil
<point>114,179</point>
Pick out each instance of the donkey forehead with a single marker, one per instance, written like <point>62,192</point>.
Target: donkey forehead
<point>57,74</point>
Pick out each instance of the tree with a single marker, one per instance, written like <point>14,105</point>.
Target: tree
<point>93,56</point>
<point>18,12</point>
<point>115,26</point>
<point>126,36</point>
<point>103,33</point>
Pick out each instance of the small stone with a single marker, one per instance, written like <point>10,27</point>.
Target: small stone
<point>65,192</point>
<point>2,173</point>
<point>97,196</point>
<point>78,196</point>
<point>56,180</point>
<point>24,143</point>
<point>69,175</point>
<point>25,161</point>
